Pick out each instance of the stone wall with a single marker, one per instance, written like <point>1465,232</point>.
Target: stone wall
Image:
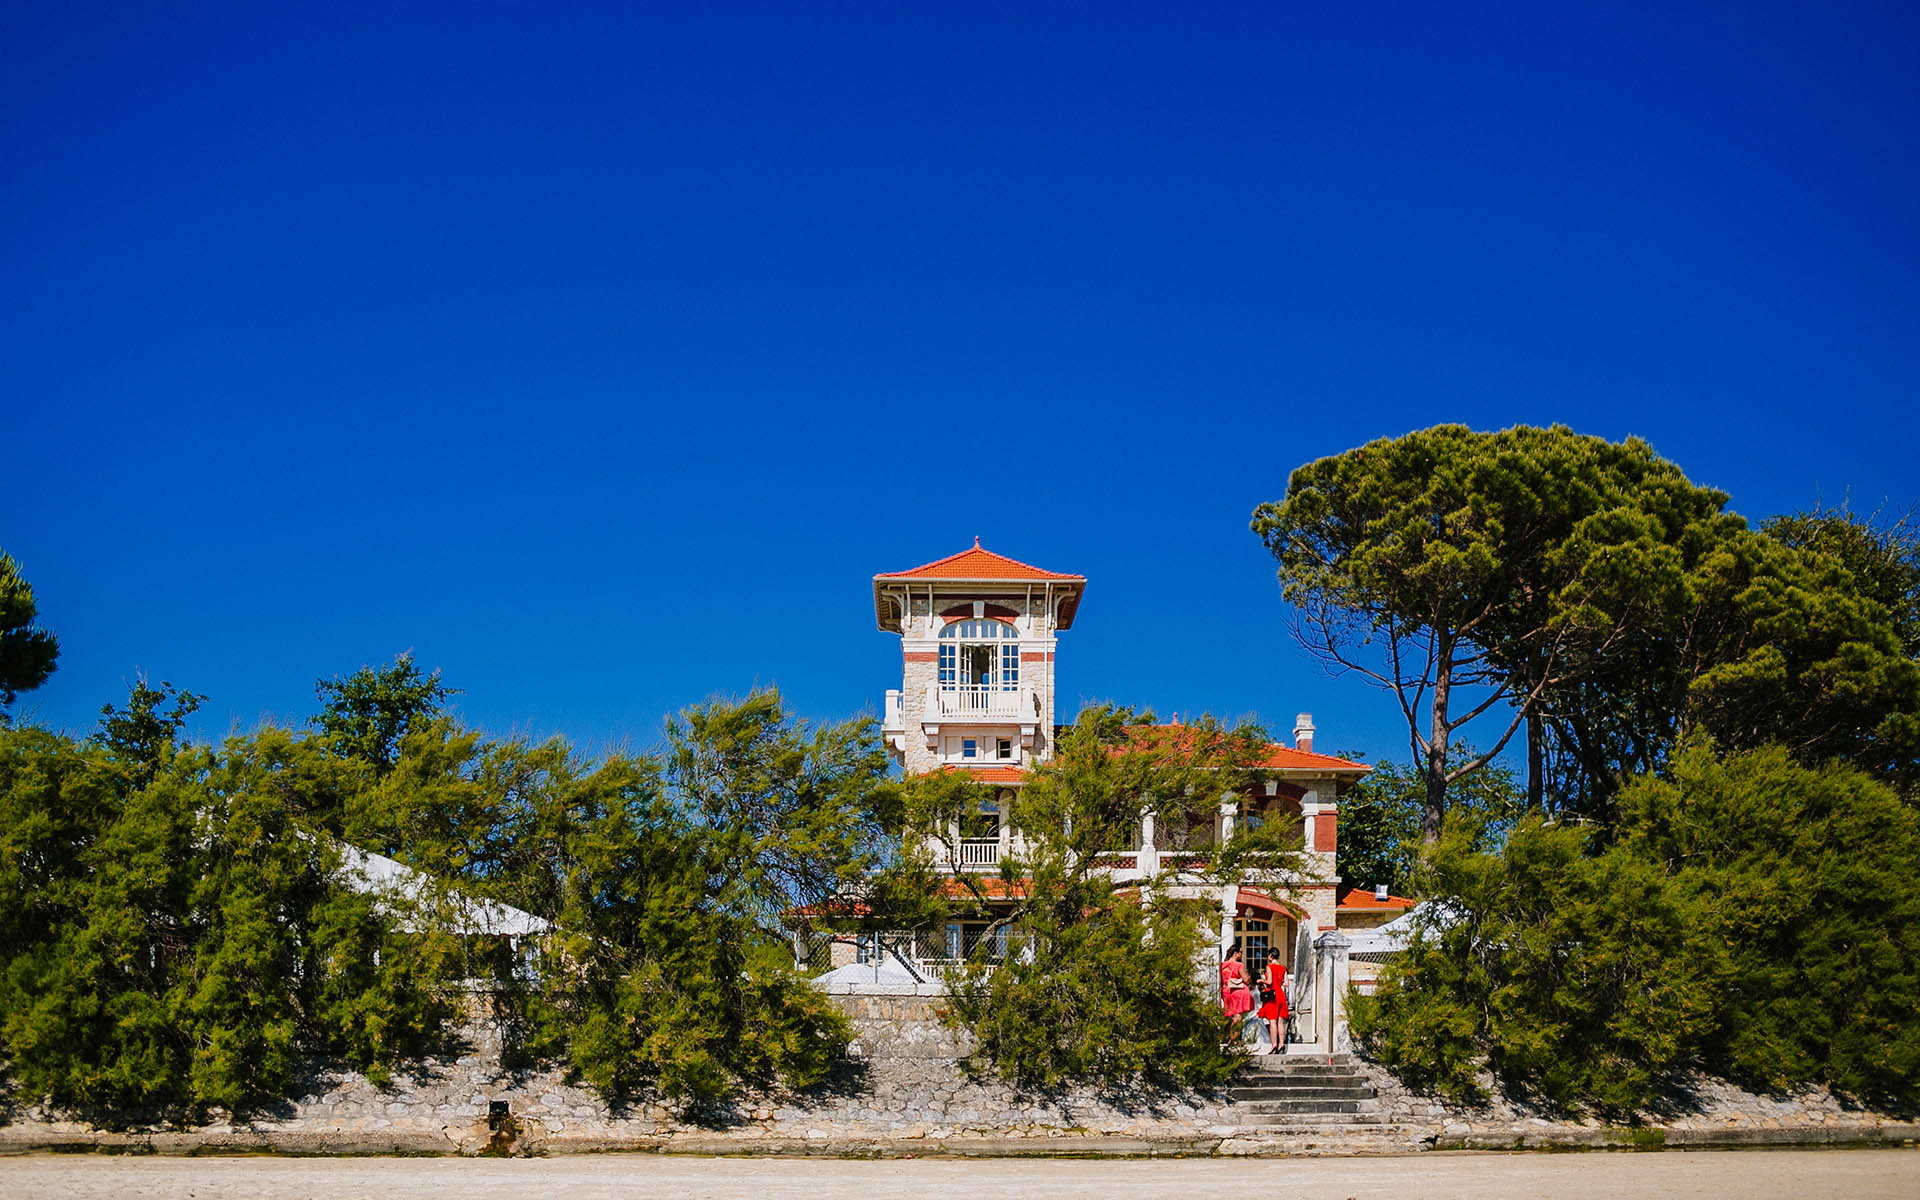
<point>902,1091</point>
<point>901,1086</point>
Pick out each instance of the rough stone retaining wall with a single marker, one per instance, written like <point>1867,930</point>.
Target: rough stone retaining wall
<point>901,1093</point>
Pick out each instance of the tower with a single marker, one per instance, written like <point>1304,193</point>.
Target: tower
<point>977,636</point>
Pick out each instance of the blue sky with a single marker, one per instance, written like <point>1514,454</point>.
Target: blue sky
<point>601,356</point>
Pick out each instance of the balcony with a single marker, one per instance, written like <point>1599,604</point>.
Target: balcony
<point>982,703</point>
<point>979,852</point>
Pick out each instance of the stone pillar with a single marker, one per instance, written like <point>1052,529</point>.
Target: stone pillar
<point>1149,860</point>
<point>1330,988</point>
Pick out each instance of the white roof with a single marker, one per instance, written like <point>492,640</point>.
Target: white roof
<point>373,874</point>
<point>1393,937</point>
<point>886,977</point>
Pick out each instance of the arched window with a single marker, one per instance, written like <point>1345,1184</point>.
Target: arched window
<point>981,655</point>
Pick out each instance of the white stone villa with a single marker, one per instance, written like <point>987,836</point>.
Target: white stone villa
<point>979,639</point>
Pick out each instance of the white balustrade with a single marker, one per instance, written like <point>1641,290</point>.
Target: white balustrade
<point>987,701</point>
<point>980,852</point>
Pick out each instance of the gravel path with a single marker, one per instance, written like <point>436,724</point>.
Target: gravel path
<point>1804,1174</point>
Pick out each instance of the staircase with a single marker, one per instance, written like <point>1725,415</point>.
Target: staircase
<point>1313,1104</point>
<point>1295,1090</point>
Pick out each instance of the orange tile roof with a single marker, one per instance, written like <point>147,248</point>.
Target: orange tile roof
<point>1307,760</point>
<point>991,887</point>
<point>1355,899</point>
<point>988,774</point>
<point>1277,755</point>
<point>975,563</point>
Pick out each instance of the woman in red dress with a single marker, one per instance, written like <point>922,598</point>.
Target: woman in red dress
<point>1274,1011</point>
<point>1235,993</point>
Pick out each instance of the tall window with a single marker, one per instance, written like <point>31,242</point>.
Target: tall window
<point>1254,937</point>
<point>980,654</point>
<point>982,824</point>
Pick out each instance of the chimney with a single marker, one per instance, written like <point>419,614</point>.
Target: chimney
<point>1303,732</point>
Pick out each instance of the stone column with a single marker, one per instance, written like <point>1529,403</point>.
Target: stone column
<point>1330,1023</point>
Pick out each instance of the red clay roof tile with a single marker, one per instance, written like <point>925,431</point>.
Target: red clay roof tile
<point>975,563</point>
<point>1355,899</point>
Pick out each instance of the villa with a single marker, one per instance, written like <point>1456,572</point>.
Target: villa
<point>979,638</point>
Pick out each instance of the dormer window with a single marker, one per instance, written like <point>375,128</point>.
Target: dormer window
<point>980,655</point>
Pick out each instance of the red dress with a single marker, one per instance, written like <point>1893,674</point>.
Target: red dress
<point>1275,1009</point>
<point>1238,1000</point>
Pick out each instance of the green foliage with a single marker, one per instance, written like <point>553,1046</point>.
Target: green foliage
<point>27,652</point>
<point>1883,558</point>
<point>1508,564</point>
<point>1109,995</point>
<point>1800,655</point>
<point>1752,918</point>
<point>180,938</point>
<point>669,974</point>
<point>1804,877</point>
<point>796,813</point>
<point>1572,974</point>
<point>1096,983</point>
<point>658,992</point>
<point>369,713</point>
<point>141,736</point>
<point>1380,817</point>
<point>1588,592</point>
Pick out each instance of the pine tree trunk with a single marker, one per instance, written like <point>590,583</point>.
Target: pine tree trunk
<point>1435,808</point>
<point>1536,765</point>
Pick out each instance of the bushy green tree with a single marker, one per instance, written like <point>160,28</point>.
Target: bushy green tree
<point>1587,592</point>
<point>1575,978</point>
<point>1098,983</point>
<point>1801,876</point>
<point>181,939</point>
<point>368,714</point>
<point>1881,554</point>
<point>27,651</point>
<point>1746,920</point>
<point>1380,818</point>
<point>658,981</point>
<point>1792,651</point>
<point>671,974</point>
<point>1469,572</point>
<point>143,735</point>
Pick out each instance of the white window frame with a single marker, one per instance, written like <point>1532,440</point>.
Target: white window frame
<point>984,633</point>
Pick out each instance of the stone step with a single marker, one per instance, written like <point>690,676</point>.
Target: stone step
<point>1357,1105</point>
<point>1269,1121</point>
<point>1297,1091</point>
<point>1275,1065</point>
<point>1339,1060</point>
<point>1328,1139</point>
<point>1300,1081</point>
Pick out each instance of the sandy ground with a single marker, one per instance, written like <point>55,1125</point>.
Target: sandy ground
<point>1719,1174</point>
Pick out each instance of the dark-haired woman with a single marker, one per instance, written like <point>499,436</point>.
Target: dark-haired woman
<point>1235,992</point>
<point>1274,1011</point>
